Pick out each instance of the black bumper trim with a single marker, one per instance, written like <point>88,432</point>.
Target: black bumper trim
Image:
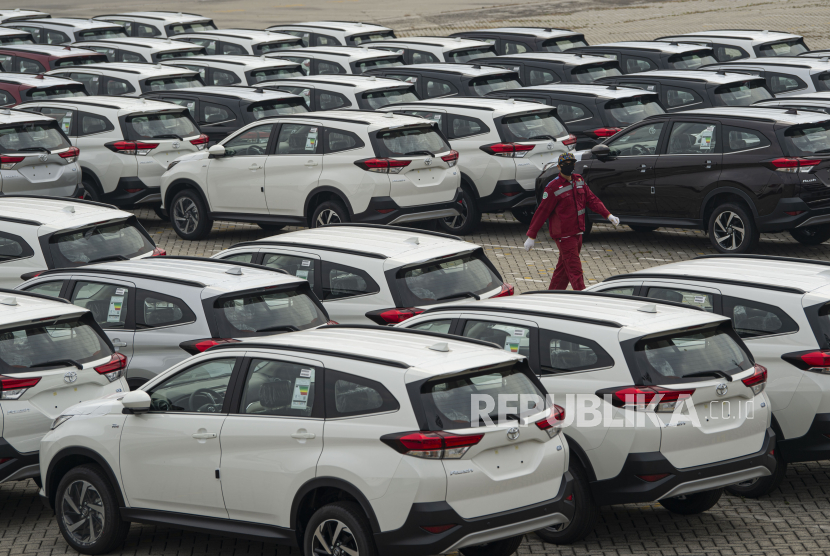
<point>18,460</point>
<point>813,446</point>
<point>395,212</point>
<point>627,488</point>
<point>499,201</point>
<point>122,198</point>
<point>779,221</point>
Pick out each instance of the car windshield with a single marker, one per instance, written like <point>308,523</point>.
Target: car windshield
<point>561,45</point>
<point>99,241</point>
<point>60,91</point>
<point>169,83</point>
<point>96,34</point>
<point>808,139</point>
<point>622,113</point>
<point>275,73</point>
<point>484,85</point>
<point>451,278</point>
<point>691,60</point>
<point>280,45</point>
<point>536,126</point>
<point>31,136</point>
<point>268,312</point>
<point>784,48</point>
<point>399,142</point>
<point>468,54</point>
<point>179,54</point>
<point>670,357</point>
<point>379,36</point>
<point>167,125</point>
<point>80,60</point>
<point>360,67</point>
<point>195,27</point>
<point>742,94</point>
<point>277,108</point>
<point>591,72</point>
<point>61,338</point>
<point>376,99</point>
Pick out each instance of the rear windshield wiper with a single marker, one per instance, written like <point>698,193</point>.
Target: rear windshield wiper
<point>551,137</point>
<point>283,327</point>
<point>56,362</point>
<point>29,149</point>
<point>411,153</point>
<point>822,151</point>
<point>109,258</point>
<point>460,294</point>
<point>167,136</point>
<point>721,374</point>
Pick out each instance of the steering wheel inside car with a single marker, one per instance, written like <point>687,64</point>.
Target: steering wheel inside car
<point>204,393</point>
<point>640,149</point>
<point>254,150</point>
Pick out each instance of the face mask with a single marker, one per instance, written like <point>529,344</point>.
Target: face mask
<point>566,168</point>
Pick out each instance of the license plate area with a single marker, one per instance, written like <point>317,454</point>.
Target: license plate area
<point>511,460</point>
<point>41,172</point>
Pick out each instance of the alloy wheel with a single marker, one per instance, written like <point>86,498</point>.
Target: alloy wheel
<point>327,216</point>
<point>186,215</point>
<point>334,538</point>
<point>83,512</point>
<point>730,230</point>
<point>458,221</point>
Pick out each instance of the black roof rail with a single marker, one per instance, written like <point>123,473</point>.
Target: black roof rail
<point>53,198</point>
<point>20,221</point>
<point>655,275</point>
<point>91,269</point>
<point>765,258</point>
<point>547,314</point>
<point>617,296</point>
<point>316,351</point>
<point>37,295</point>
<point>266,243</point>
<point>275,82</point>
<point>418,332</point>
<point>393,229</point>
<point>226,263</point>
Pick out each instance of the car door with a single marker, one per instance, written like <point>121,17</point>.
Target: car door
<point>688,167</point>
<point>273,437</point>
<point>236,181</point>
<point>111,303</point>
<point>170,456</point>
<point>217,120</point>
<point>294,168</point>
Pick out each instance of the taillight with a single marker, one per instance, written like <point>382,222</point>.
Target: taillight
<point>643,396</point>
<point>451,159</point>
<point>30,275</point>
<point>758,380</point>
<point>70,154</point>
<point>510,150</point>
<point>506,290</point>
<point>159,252</point>
<point>201,142</point>
<point>383,165</point>
<point>793,165</point>
<point>138,148</point>
<point>114,368</point>
<point>552,425</point>
<point>198,346</point>
<point>13,388</point>
<point>817,361</point>
<point>654,477</point>
<point>432,445</point>
<point>436,529</point>
<point>8,162</point>
<point>393,316</point>
<point>570,141</point>
<point>603,132</point>
<point>332,322</point>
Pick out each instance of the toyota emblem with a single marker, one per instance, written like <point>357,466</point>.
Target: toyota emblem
<point>428,161</point>
<point>513,433</point>
<point>175,144</point>
<point>550,146</point>
<point>44,157</point>
<point>70,377</point>
<point>721,389</point>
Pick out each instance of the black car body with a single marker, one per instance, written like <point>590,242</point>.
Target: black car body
<point>735,44</point>
<point>592,113</point>
<point>637,57</point>
<point>540,68</point>
<point>732,171</point>
<point>516,40</point>
<point>442,80</point>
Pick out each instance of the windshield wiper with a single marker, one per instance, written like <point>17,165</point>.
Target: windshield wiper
<point>167,136</point>
<point>29,149</point>
<point>411,153</point>
<point>721,374</point>
<point>825,151</point>
<point>460,294</point>
<point>542,137</point>
<point>109,258</point>
<point>56,362</point>
<point>283,327</point>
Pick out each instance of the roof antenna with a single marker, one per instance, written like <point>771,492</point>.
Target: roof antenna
<point>39,76</point>
<point>70,209</point>
<point>612,87</point>
<point>650,308</point>
<point>234,270</point>
<point>791,111</point>
<point>259,90</point>
<point>411,239</point>
<point>457,39</point>
<point>389,115</point>
<point>13,301</point>
<point>440,346</point>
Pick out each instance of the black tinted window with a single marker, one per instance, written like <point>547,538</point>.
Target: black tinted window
<point>461,126</point>
<point>331,101</point>
<point>451,278</point>
<point>340,282</point>
<point>741,139</point>
<point>696,299</point>
<point>13,247</point>
<point>561,352</point>
<point>87,244</point>
<point>279,388</point>
<point>268,312</point>
<point>349,396</point>
<point>752,319</point>
<point>338,140</point>
<point>108,303</point>
<point>156,309</point>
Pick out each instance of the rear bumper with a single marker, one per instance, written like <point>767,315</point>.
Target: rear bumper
<point>508,194</point>
<point>411,540</point>
<point>813,446</point>
<point>21,465</point>
<point>627,488</point>
<point>130,192</point>
<point>778,220</point>
<point>392,213</point>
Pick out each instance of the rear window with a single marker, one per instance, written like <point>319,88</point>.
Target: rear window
<point>195,27</point>
<point>99,241</point>
<point>32,136</point>
<point>590,73</point>
<point>411,141</point>
<point>561,45</point>
<point>169,83</point>
<point>377,99</point>
<point>808,139</point>
<point>454,277</point>
<point>177,125</point>
<point>61,91</point>
<point>691,60</point>
<point>623,113</point>
<point>468,54</point>
<point>485,85</point>
<point>16,40</point>
<point>369,37</point>
<point>742,94</point>
<point>275,73</point>
<point>784,48</point>
<point>823,332</point>
<point>360,67</point>
<point>59,339</point>
<point>80,60</point>
<point>277,108</point>
<point>675,357</point>
<point>95,34</point>
<point>537,126</point>
<point>450,403</point>
<point>268,312</point>
<point>281,45</point>
<point>179,54</point>
<point>822,81</point>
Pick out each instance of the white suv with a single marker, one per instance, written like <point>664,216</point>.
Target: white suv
<point>335,33</point>
<point>333,60</point>
<point>708,422</point>
<point>135,49</point>
<point>129,79</point>
<point>503,146</point>
<point>315,169</point>
<point>344,440</point>
<point>345,92</point>
<point>67,30</point>
<point>52,355</point>
<point>735,44</point>
<point>781,309</point>
<point>785,76</point>
<point>377,274</point>
<point>126,144</point>
<point>223,71</point>
<point>240,42</point>
<point>159,24</point>
<point>437,50</point>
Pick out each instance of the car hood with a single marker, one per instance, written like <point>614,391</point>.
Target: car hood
<point>98,406</point>
<point>198,155</point>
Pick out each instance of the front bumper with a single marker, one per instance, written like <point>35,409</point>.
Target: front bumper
<point>384,210</point>
<point>508,194</point>
<point>130,192</point>
<point>20,465</point>
<point>627,488</point>
<point>813,446</point>
<point>778,220</point>
<point>411,540</point>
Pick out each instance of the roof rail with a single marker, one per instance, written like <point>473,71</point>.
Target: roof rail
<point>37,295</point>
<point>93,270</point>
<point>492,309</point>
<point>68,199</point>
<point>309,246</point>
<point>316,351</point>
<point>765,258</point>
<point>418,332</point>
<point>227,263</point>
<point>655,275</point>
<point>393,229</point>
<point>618,296</point>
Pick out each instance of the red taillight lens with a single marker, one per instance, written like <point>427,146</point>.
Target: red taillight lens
<point>653,478</point>
<point>13,388</point>
<point>451,159</point>
<point>571,140</point>
<point>758,377</point>
<point>642,396</point>
<point>114,368</point>
<point>4,460</point>
<point>332,322</point>
<point>553,422</point>
<point>436,529</point>
<point>817,359</point>
<point>393,316</point>
<point>383,165</point>
<point>201,141</point>
<point>793,165</point>
<point>432,445</point>
<point>807,163</point>
<point>604,132</point>
<point>794,212</point>
<point>138,148</point>
<point>70,154</point>
<point>512,150</point>
<point>506,290</point>
<point>198,346</point>
<point>8,162</point>
<point>159,252</point>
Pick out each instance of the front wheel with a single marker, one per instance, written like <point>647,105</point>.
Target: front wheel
<point>586,512</point>
<point>643,229</point>
<point>329,212</point>
<point>811,235</point>
<point>756,488</point>
<point>339,528</point>
<point>468,218</point>
<point>89,191</point>
<point>690,504</point>
<point>504,547</point>
<point>732,229</point>
<point>189,216</point>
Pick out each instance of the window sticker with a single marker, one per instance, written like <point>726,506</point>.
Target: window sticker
<point>307,373</point>
<point>302,274</point>
<point>120,291</point>
<point>306,263</point>
<point>512,342</point>
<point>116,305</point>
<point>311,140</point>
<point>700,299</point>
<point>302,386</point>
<point>66,122</point>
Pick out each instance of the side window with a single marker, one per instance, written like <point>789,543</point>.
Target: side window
<point>35,31</point>
<point>441,326</point>
<point>752,319</point>
<point>109,303</point>
<point>64,117</point>
<point>540,77</point>
<point>29,66</point>
<point>340,282</point>
<point>741,139</point>
<point>6,62</point>
<point>279,388</point>
<point>301,91</point>
<point>433,116</point>
<point>253,142</point>
<point>131,57</point>
<point>110,52</point>
<point>55,37</point>
<point>199,389</point>
<point>47,288</point>
<point>6,98</point>
<point>117,87</point>
<point>222,78</point>
<point>305,63</point>
<point>436,88</point>
<point>210,45</point>
<point>680,97</point>
<point>13,247</point>
<point>329,68</point>
<point>91,82</point>
<point>644,86</point>
<point>510,47</point>
<point>621,291</point>
<point>509,337</point>
<point>338,140</point>
<point>637,65</point>
<point>350,395</point>
<point>565,353</point>
<point>780,83</point>
<point>725,53</point>
<point>572,112</point>
<point>214,114</point>
<point>405,78</point>
<point>156,309</point>
<point>328,100</point>
<point>305,36</point>
<point>638,142</point>
<point>696,299</point>
<point>142,30</point>
<point>300,267</point>
<point>229,49</point>
<point>419,57</point>
<point>189,104</point>
<point>92,124</point>
<point>692,138</point>
<point>465,127</point>
<point>297,139</point>
<point>201,69</point>
<point>325,40</point>
<point>240,258</point>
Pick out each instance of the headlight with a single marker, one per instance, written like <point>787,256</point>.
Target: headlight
<point>60,421</point>
<point>169,166</point>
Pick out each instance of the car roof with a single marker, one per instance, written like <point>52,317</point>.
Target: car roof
<point>791,61</point>
<point>9,32</point>
<point>357,83</point>
<point>562,57</point>
<point>58,51</point>
<point>76,22</point>
<point>541,32</point>
<point>256,35</point>
<point>34,80</point>
<point>348,27</point>
<point>143,42</point>
<point>662,46</point>
<point>56,213</point>
<point>743,34</point>
<point>20,307</point>
<point>19,12</point>
<point>815,95</point>
<point>14,116</point>
<point>151,70</point>
<point>471,70</point>
<point>352,52</point>
<point>782,115</point>
<point>167,17</point>
<point>498,106</point>
<point>231,60</point>
<point>453,43</point>
<point>691,75</point>
<point>253,94</point>
<point>127,104</point>
<point>601,91</point>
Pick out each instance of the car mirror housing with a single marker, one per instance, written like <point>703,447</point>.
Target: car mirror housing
<point>601,152</point>
<point>137,401</point>
<point>216,151</point>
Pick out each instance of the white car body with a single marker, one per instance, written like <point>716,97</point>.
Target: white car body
<point>240,42</point>
<point>66,30</point>
<point>438,50</point>
<point>158,24</point>
<point>735,44</point>
<point>334,33</point>
<point>129,79</point>
<point>227,70</point>
<point>141,49</point>
<point>339,60</point>
<point>785,76</point>
<point>7,16</point>
<point>345,92</point>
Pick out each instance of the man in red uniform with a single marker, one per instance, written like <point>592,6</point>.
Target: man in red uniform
<point>563,206</point>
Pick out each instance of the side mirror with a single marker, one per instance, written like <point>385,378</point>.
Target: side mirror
<point>216,151</point>
<point>602,152</point>
<point>137,401</point>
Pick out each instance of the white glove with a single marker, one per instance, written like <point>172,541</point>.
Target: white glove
<point>614,220</point>
<point>529,243</point>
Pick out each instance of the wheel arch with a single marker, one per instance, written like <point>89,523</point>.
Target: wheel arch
<point>582,458</point>
<point>720,195</point>
<point>69,458</point>
<point>471,185</point>
<point>321,490</point>
<point>180,185</point>
<point>87,172</point>
<point>322,194</point>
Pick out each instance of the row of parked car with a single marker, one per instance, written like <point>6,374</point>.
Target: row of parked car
<point>222,395</point>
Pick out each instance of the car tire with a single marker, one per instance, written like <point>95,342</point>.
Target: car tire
<point>691,504</point>
<point>356,535</point>
<point>504,547</point>
<point>329,212</point>
<point>586,512</point>
<point>89,190</point>
<point>161,213</point>
<point>271,227</point>
<point>467,221</point>
<point>189,216</point>
<point>524,214</point>
<point>732,229</point>
<point>643,229</point>
<point>85,487</point>
<point>764,485</point>
<point>811,235</point>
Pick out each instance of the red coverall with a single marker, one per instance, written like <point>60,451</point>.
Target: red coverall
<point>563,206</point>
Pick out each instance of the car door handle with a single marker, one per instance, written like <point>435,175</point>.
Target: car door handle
<point>204,435</point>
<point>708,164</point>
<point>311,163</point>
<point>254,167</point>
<point>303,435</point>
<point>118,343</point>
<point>643,168</point>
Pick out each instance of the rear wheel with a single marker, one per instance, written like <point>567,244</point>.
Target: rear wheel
<point>189,216</point>
<point>468,218</point>
<point>329,212</point>
<point>523,214</point>
<point>643,229</point>
<point>271,227</point>
<point>339,528</point>
<point>811,235</point>
<point>504,547</point>
<point>89,190</point>
<point>690,504</point>
<point>763,485</point>
<point>732,229</point>
<point>161,213</point>
<point>586,512</point>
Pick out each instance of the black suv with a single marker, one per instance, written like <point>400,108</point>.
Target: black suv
<point>592,113</point>
<point>515,40</point>
<point>637,57</point>
<point>443,80</point>
<point>540,68</point>
<point>220,111</point>
<point>817,102</point>
<point>734,172</point>
<point>693,89</point>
